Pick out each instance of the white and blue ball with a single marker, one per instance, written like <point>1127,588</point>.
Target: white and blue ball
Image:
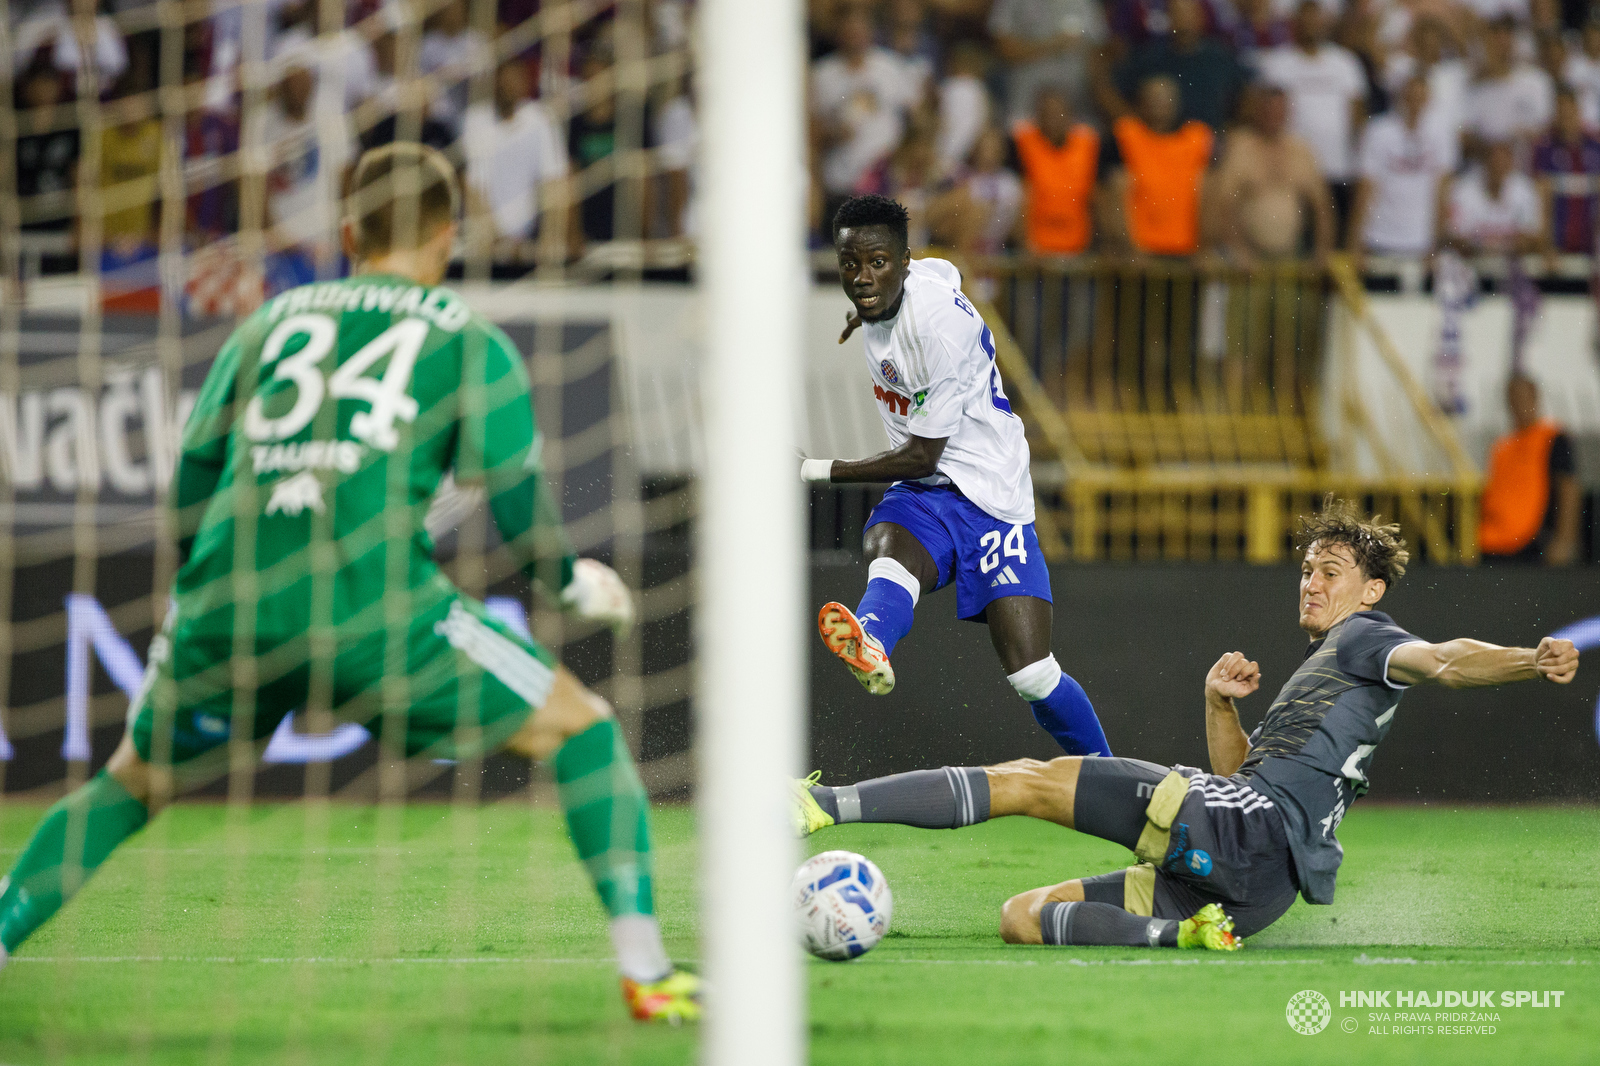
<point>842,904</point>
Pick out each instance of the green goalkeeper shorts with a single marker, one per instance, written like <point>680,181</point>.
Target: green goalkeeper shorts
<point>466,684</point>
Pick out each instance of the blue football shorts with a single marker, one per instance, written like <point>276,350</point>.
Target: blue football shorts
<point>986,558</point>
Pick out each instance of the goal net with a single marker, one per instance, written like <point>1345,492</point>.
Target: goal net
<point>165,168</point>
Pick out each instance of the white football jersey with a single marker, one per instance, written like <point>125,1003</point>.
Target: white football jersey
<point>934,375</point>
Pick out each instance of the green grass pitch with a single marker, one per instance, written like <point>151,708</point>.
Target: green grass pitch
<point>471,937</point>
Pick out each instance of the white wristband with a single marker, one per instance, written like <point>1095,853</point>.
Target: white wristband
<point>816,470</point>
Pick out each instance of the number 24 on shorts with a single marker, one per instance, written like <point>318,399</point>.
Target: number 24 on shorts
<point>1014,548</point>
<point>387,398</point>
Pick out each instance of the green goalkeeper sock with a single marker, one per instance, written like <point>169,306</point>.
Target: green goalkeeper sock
<point>608,816</point>
<point>70,844</point>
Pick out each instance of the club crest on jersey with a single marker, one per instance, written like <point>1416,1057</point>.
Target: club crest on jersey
<point>891,373</point>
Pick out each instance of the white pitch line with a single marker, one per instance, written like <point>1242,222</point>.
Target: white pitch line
<point>229,960</point>
<point>307,961</point>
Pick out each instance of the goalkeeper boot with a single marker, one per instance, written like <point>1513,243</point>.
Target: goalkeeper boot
<point>808,813</point>
<point>674,999</point>
<point>860,651</point>
<point>1208,928</point>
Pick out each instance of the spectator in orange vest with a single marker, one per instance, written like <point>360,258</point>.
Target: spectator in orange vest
<point>1058,158</point>
<point>1531,500</point>
<point>1163,172</point>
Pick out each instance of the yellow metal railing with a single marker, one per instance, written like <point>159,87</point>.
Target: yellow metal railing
<point>1172,410</point>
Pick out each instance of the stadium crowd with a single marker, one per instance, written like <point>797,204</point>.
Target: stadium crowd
<point>1256,129</point>
<point>425,71</point>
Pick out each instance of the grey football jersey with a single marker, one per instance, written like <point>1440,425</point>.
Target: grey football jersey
<point>1311,752</point>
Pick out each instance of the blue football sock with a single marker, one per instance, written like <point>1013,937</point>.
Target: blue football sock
<point>1061,707</point>
<point>887,608</point>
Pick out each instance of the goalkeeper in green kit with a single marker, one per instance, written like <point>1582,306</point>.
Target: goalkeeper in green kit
<point>306,575</point>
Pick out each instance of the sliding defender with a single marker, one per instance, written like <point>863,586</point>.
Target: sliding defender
<point>307,578</point>
<point>960,510</point>
<point>1222,855</point>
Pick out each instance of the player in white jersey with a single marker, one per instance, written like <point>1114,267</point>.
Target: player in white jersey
<point>961,507</point>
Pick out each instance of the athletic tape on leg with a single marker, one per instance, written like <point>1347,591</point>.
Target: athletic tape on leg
<point>891,570</point>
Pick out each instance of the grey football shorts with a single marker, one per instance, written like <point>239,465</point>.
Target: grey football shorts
<point>1222,842</point>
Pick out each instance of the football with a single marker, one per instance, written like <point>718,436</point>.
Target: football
<point>842,905</point>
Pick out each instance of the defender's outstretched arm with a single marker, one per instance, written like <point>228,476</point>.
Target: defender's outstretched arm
<point>1467,663</point>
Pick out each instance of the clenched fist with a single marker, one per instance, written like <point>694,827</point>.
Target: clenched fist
<point>1556,660</point>
<point>1234,676</point>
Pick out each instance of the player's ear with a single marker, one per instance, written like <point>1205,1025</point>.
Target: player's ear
<point>1375,590</point>
<point>347,239</point>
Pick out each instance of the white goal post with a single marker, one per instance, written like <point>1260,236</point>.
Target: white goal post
<point>752,681</point>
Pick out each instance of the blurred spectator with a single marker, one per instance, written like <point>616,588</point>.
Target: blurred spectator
<point>303,151</point>
<point>47,162</point>
<point>1136,22</point>
<point>964,108</point>
<point>1583,73</point>
<point>130,163</point>
<point>1509,100</point>
<point>1161,181</point>
<point>1567,164</point>
<point>1357,32</point>
<point>1531,503</point>
<point>1403,164</point>
<point>859,98</point>
<point>211,136</point>
<point>913,175</point>
<point>985,205</point>
<point>401,105</point>
<point>345,66</point>
<point>1552,56</point>
<point>514,155</point>
<point>1209,77</point>
<point>1256,25</point>
<point>1448,78</point>
<point>1495,207</point>
<point>1059,158</point>
<point>908,35</point>
<point>677,136</point>
<point>48,29</point>
<point>1397,21</point>
<point>1327,91</point>
<point>1045,42</point>
<point>592,138</point>
<point>452,51</point>
<point>1268,186</point>
<point>1493,10</point>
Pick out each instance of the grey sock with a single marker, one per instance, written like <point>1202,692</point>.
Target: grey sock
<point>823,794</point>
<point>947,798</point>
<point>1104,924</point>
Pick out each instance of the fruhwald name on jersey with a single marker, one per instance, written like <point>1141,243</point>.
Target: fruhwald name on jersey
<point>439,306</point>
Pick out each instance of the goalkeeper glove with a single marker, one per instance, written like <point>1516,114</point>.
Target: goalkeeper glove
<point>597,594</point>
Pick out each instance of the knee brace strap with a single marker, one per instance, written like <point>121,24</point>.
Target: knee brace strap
<point>1139,889</point>
<point>1159,813</point>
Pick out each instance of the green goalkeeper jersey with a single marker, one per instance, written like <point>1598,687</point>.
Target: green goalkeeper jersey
<point>317,443</point>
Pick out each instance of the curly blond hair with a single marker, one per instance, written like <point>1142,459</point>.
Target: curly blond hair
<point>1376,545</point>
